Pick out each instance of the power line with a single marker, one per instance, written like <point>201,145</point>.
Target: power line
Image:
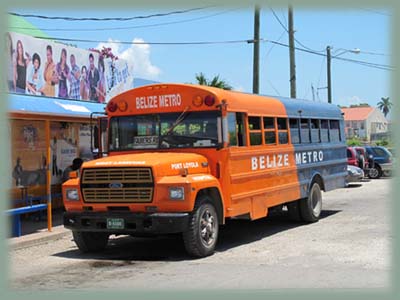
<point>109,19</point>
<point>131,27</point>
<point>284,27</point>
<point>301,44</point>
<point>376,12</point>
<point>146,43</point>
<point>364,63</point>
<point>273,45</point>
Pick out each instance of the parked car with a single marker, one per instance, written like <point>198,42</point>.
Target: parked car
<point>383,161</point>
<point>352,157</point>
<point>354,174</point>
<point>364,161</point>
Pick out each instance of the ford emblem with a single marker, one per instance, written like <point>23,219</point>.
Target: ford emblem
<point>116,185</point>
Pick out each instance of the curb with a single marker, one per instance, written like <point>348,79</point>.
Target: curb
<point>38,238</point>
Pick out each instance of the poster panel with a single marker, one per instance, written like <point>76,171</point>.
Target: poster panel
<point>46,68</point>
<point>28,155</point>
<point>63,148</point>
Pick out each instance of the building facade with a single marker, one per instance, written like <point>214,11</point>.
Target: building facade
<point>367,123</point>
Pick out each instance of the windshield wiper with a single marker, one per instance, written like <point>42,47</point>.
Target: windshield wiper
<point>179,120</point>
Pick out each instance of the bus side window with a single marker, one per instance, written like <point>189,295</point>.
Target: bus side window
<point>269,130</point>
<point>334,130</point>
<point>324,131</point>
<point>232,130</point>
<point>304,131</point>
<point>294,131</point>
<point>255,131</point>
<point>241,132</point>
<point>282,131</point>
<point>315,137</point>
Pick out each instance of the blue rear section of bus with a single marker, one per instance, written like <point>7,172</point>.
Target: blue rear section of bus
<point>318,152</point>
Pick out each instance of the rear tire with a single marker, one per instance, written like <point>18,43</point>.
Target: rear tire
<point>90,241</point>
<point>202,234</point>
<point>310,207</point>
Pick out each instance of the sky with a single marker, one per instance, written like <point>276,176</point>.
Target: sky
<point>366,29</point>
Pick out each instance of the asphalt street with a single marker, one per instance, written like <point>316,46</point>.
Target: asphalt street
<point>350,247</point>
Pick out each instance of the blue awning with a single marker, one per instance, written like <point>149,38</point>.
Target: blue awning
<point>20,103</point>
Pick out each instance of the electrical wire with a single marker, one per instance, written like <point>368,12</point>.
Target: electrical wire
<point>297,41</point>
<point>364,63</point>
<point>146,43</point>
<point>109,19</point>
<point>273,45</point>
<point>131,27</point>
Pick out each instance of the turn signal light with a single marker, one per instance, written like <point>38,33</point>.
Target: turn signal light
<point>197,101</point>
<point>122,106</point>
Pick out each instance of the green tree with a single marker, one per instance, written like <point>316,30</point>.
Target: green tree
<point>385,105</point>
<point>215,81</point>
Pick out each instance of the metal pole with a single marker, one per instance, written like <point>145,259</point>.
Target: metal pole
<point>48,182</point>
<point>292,55</point>
<point>256,54</point>
<point>328,75</point>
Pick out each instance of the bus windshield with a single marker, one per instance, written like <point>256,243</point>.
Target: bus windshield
<point>169,130</point>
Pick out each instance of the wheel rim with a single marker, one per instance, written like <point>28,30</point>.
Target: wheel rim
<point>373,173</point>
<point>316,202</point>
<point>207,228</point>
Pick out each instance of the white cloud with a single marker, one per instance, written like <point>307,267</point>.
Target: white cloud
<point>349,100</point>
<point>239,88</point>
<point>137,56</point>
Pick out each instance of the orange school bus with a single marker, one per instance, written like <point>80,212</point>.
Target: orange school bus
<point>184,158</point>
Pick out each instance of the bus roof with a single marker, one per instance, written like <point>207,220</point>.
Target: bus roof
<point>236,101</point>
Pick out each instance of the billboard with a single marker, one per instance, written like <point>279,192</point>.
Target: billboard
<point>47,68</point>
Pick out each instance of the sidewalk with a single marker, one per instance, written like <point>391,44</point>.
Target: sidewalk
<point>35,231</point>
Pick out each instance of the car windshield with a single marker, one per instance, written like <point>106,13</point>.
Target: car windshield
<point>171,130</point>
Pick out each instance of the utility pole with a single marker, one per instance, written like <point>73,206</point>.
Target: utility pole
<point>328,75</point>
<point>256,54</point>
<point>291,55</point>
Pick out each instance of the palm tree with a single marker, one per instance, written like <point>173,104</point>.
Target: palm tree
<point>215,82</point>
<point>385,105</point>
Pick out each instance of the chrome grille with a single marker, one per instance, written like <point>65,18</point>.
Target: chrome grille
<point>128,175</point>
<point>114,185</point>
<point>118,195</point>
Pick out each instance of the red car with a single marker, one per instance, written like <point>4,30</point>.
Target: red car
<point>352,157</point>
<point>363,161</point>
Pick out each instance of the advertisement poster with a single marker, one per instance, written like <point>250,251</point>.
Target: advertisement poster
<point>28,144</point>
<point>84,142</point>
<point>63,148</point>
<point>45,68</point>
<point>118,77</point>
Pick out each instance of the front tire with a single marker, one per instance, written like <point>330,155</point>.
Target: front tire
<point>375,172</point>
<point>201,237</point>
<point>311,207</point>
<point>90,241</point>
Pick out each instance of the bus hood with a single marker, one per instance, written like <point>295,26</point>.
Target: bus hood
<point>164,163</point>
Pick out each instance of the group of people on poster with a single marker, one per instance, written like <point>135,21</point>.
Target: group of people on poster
<point>31,74</point>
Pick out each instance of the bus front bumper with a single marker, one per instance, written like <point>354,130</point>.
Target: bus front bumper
<point>126,223</point>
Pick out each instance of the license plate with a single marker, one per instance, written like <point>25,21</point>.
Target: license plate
<point>115,223</point>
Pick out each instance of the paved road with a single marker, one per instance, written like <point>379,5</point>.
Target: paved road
<point>350,247</point>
